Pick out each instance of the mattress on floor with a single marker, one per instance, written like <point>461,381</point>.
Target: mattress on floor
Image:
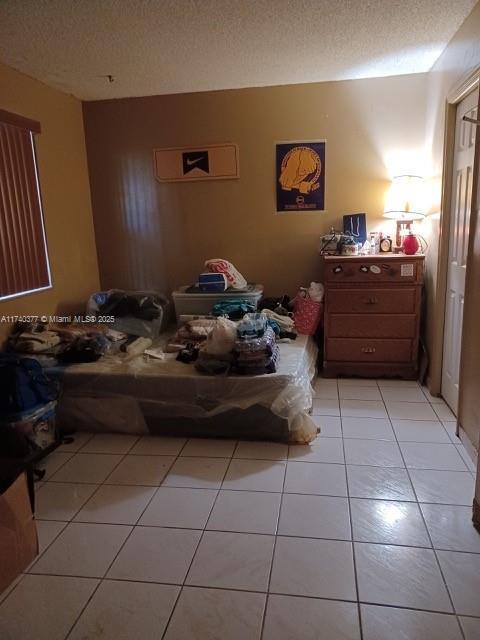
<point>154,396</point>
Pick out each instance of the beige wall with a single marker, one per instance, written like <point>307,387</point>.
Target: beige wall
<point>65,192</point>
<point>460,57</point>
<point>159,235</point>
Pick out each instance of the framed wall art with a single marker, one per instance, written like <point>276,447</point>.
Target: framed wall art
<point>300,176</point>
<point>186,164</point>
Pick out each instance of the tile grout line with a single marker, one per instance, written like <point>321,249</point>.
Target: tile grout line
<point>71,521</point>
<point>263,534</point>
<point>218,492</point>
<point>264,614</point>
<point>97,488</point>
<point>33,563</point>
<point>199,541</point>
<point>437,419</point>
<point>355,572</point>
<point>264,593</point>
<point>349,464</point>
<point>433,547</point>
<point>443,444</point>
<point>100,580</point>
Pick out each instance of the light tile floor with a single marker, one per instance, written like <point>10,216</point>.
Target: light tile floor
<point>364,535</point>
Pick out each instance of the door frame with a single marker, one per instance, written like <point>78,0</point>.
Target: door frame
<point>454,97</point>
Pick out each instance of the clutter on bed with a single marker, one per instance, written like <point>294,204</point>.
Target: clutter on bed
<point>37,342</point>
<point>189,300</point>
<point>195,330</point>
<point>252,325</point>
<point>278,305</point>
<point>234,309</point>
<point>135,346</point>
<point>222,337</point>
<point>53,343</point>
<point>146,395</point>
<point>140,313</point>
<point>221,283</point>
<point>88,348</point>
<point>215,355</point>
<point>234,277</point>
<point>212,282</point>
<point>256,354</point>
<point>126,373</point>
<point>221,345</point>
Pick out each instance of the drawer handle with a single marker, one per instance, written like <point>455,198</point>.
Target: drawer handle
<point>372,300</point>
<point>368,349</point>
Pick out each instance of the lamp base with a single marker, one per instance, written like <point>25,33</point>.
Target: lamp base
<point>405,226</point>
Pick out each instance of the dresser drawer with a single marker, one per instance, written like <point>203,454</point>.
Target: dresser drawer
<point>374,270</point>
<point>401,300</point>
<point>343,325</point>
<point>368,350</point>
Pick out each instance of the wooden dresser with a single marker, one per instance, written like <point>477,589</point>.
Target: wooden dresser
<point>372,315</point>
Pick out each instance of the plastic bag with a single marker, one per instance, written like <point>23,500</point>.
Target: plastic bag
<point>221,339</point>
<point>252,325</point>
<point>316,291</point>
<point>234,277</point>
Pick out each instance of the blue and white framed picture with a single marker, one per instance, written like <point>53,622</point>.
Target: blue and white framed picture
<point>300,176</point>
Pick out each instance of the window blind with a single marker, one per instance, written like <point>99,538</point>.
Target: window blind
<point>23,252</point>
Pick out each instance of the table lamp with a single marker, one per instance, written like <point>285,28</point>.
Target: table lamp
<point>404,203</point>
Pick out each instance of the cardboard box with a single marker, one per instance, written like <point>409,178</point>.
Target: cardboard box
<point>18,533</point>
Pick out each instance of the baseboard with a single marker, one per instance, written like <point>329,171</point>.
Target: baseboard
<point>469,448</point>
<point>476,514</point>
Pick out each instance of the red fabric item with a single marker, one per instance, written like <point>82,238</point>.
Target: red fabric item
<point>307,315</point>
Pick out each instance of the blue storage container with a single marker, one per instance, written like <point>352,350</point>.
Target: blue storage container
<point>212,282</point>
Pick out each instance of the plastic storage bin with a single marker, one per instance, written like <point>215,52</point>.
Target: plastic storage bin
<point>38,426</point>
<point>198,303</point>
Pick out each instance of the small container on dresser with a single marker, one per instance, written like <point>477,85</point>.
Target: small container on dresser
<point>372,315</point>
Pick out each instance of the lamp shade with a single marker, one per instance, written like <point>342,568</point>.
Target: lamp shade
<point>405,199</point>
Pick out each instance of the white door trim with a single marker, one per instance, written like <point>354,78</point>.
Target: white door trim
<point>461,207</point>
<point>455,95</point>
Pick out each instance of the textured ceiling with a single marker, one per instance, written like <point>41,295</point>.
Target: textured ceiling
<point>175,46</point>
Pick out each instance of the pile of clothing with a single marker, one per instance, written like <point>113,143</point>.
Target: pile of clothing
<point>196,330</point>
<point>188,338</point>
<point>234,309</point>
<point>138,313</point>
<point>257,355</point>
<point>53,344</point>
<point>222,346</point>
<point>215,355</point>
<point>280,316</point>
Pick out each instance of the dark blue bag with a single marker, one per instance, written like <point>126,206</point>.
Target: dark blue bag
<point>23,385</point>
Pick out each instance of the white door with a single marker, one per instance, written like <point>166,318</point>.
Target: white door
<point>458,246</point>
